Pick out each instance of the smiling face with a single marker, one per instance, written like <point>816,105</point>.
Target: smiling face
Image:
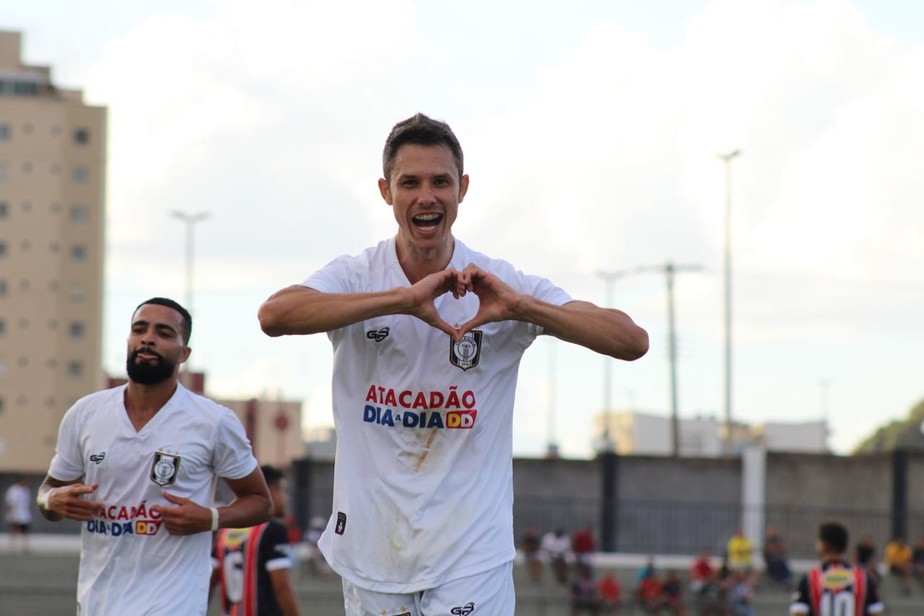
<point>425,191</point>
<point>155,345</point>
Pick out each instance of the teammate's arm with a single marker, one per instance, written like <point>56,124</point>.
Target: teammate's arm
<point>302,310</point>
<point>285,595</point>
<point>604,330</point>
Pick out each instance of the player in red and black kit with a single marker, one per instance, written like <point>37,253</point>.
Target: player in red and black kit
<point>252,564</point>
<point>835,587</point>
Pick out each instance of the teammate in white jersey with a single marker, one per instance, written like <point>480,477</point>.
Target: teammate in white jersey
<point>427,337</point>
<point>138,466</point>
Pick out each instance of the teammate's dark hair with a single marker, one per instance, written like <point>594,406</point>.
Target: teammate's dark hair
<point>834,536</point>
<point>169,303</point>
<point>272,474</point>
<point>420,130</point>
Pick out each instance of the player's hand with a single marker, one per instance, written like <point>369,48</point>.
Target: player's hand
<point>497,300</point>
<point>187,518</point>
<point>425,292</point>
<point>68,501</point>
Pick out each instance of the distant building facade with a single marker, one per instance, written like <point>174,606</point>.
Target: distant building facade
<point>52,216</point>
<point>634,433</point>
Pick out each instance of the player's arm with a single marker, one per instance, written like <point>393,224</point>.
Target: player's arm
<point>302,310</point>
<point>252,505</point>
<point>58,499</point>
<point>604,330</point>
<point>285,594</point>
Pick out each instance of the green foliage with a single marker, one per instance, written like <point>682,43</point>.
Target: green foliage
<point>904,434</point>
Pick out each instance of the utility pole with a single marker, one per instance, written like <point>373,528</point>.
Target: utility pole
<point>727,159</point>
<point>609,278</point>
<point>189,220</point>
<point>669,270</point>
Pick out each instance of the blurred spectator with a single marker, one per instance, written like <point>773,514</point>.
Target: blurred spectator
<point>775,558</point>
<point>531,546</point>
<point>583,545</point>
<point>710,598</point>
<point>555,545</point>
<point>701,570</point>
<point>18,501</point>
<point>739,552</point>
<point>583,591</point>
<point>673,594</point>
<point>650,594</point>
<point>897,558</point>
<point>610,593</point>
<point>741,594</point>
<point>866,556</point>
<point>647,570</point>
<point>917,561</point>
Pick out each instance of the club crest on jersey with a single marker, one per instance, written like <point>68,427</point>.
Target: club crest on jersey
<point>466,353</point>
<point>164,469</point>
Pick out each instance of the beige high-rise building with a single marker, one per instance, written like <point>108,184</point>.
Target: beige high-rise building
<point>52,216</point>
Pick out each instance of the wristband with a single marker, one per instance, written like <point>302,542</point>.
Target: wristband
<point>214,511</point>
<point>42,500</point>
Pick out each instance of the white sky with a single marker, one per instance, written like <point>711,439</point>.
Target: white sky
<point>590,135</point>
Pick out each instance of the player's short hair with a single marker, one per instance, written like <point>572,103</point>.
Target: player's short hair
<point>272,475</point>
<point>420,130</point>
<point>186,322</point>
<point>834,536</point>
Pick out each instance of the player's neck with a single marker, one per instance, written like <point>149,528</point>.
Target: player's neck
<point>419,262</point>
<point>142,402</point>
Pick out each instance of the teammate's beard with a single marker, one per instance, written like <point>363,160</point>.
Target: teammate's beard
<point>148,373</point>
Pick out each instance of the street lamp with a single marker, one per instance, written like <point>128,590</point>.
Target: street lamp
<point>727,159</point>
<point>189,220</point>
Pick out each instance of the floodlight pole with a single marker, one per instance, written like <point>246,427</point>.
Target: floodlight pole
<point>727,159</point>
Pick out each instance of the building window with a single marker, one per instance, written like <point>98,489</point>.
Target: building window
<point>2,288</point>
<point>76,329</point>
<point>75,369</point>
<point>80,214</point>
<point>81,176</point>
<point>4,209</point>
<point>27,167</point>
<point>79,253</point>
<point>1,405</point>
<point>2,327</point>
<point>78,294</point>
<point>6,132</point>
<point>81,136</point>
<point>2,248</point>
<point>27,128</point>
<point>4,172</point>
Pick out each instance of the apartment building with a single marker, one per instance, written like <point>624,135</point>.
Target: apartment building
<point>52,217</point>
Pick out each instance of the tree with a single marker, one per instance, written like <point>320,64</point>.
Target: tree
<point>899,434</point>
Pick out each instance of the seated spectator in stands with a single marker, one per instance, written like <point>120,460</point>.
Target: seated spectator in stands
<point>710,598</point>
<point>897,558</point>
<point>866,556</point>
<point>583,545</point>
<point>531,546</point>
<point>610,593</point>
<point>647,570</point>
<point>583,591</point>
<point>917,561</point>
<point>775,558</point>
<point>701,570</point>
<point>649,594</point>
<point>555,545</point>
<point>673,594</point>
<point>739,551</point>
<point>741,594</point>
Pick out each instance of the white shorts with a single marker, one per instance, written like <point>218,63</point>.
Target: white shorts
<point>485,594</point>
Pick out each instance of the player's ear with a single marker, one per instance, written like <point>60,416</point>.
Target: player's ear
<point>463,187</point>
<point>385,191</point>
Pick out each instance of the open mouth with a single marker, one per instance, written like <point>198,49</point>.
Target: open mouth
<point>427,221</point>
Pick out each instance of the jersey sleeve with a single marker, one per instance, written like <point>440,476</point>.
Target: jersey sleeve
<point>335,277</point>
<point>275,551</point>
<point>233,457</point>
<point>68,463</point>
